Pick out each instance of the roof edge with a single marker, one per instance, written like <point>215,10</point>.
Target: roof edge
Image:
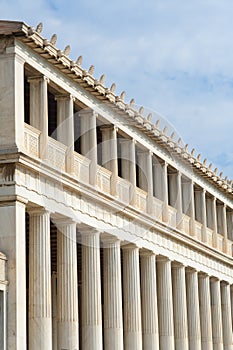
<point>12,27</point>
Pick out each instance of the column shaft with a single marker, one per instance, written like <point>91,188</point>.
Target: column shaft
<point>205,312</point>
<point>226,316</point>
<point>40,313</point>
<point>194,329</point>
<point>128,164</point>
<point>13,245</point>
<point>39,110</point>
<point>67,286</point>
<point>113,323</point>
<point>91,291</point>
<point>216,314</point>
<point>54,309</point>
<point>203,211</point>
<point>165,304</point>
<point>109,153</point>
<point>180,307</point>
<point>150,329</point>
<point>132,299</point>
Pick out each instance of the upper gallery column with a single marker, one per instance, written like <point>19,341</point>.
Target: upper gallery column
<point>200,207</point>
<point>150,331</point>
<point>65,127</point>
<point>216,314</point>
<point>226,316</point>
<point>89,140</point>
<point>128,164</point>
<point>67,286</point>
<point>180,306</point>
<point>205,311</point>
<point>12,96</point>
<point>109,153</point>
<point>13,245</point>
<point>146,175</point>
<point>91,290</point>
<point>160,185</point>
<point>194,328</point>
<point>188,203</point>
<point>132,298</point>
<point>113,322</point>
<point>165,304</point>
<point>175,193</point>
<point>39,110</point>
<point>40,311</point>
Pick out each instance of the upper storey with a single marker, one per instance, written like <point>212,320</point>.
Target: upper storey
<point>57,115</point>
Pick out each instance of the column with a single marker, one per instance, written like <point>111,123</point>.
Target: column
<point>178,206</point>
<point>160,185</point>
<point>54,309</point>
<point>188,203</point>
<point>91,290</point>
<point>109,153</point>
<point>132,298</point>
<point>65,127</point>
<point>113,322</point>
<point>194,328</point>
<point>180,306</point>
<point>203,200</point>
<point>205,311</point>
<point>89,140</point>
<point>150,331</point>
<point>224,222</point>
<point>39,110</point>
<point>226,316</point>
<point>40,313</point>
<point>165,304</point>
<point>128,164</point>
<point>12,243</point>
<point>146,176</point>
<point>215,225</point>
<point>67,286</point>
<point>12,97</point>
<point>216,314</point>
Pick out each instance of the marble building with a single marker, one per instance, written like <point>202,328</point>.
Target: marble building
<point>113,235</point>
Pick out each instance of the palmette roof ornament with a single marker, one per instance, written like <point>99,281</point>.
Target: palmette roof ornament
<point>39,28</point>
<point>53,39</point>
<point>91,70</point>
<point>29,33</point>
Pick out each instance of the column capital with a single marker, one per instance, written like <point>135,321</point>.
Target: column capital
<point>129,246</point>
<point>145,253</point>
<point>190,269</point>
<point>37,211</point>
<point>161,258</point>
<point>38,79</point>
<point>64,97</point>
<point>177,265</point>
<point>108,239</point>
<point>202,274</point>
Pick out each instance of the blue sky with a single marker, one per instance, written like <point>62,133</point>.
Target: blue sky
<point>173,56</point>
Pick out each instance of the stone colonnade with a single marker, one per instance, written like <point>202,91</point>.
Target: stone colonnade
<point>150,302</point>
<point>155,177</point>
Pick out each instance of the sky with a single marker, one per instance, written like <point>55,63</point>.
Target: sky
<point>174,57</point>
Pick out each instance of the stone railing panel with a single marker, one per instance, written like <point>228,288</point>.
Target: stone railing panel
<point>123,190</point>
<point>185,223</point>
<point>141,199</point>
<point>198,230</point>
<point>81,167</point>
<point>31,140</point>
<point>103,179</point>
<point>209,235</point>
<point>172,216</point>
<point>56,154</point>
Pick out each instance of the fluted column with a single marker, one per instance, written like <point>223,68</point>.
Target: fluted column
<point>54,309</point>
<point>164,191</point>
<point>180,306</point>
<point>109,153</point>
<point>224,222</point>
<point>215,225</point>
<point>150,331</point>
<point>194,328</point>
<point>65,126</point>
<point>216,314</point>
<point>113,322</point>
<point>67,286</point>
<point>205,311</point>
<point>40,313</point>
<point>39,109</point>
<point>203,211</point>
<point>91,290</point>
<point>226,316</point>
<point>146,175</point>
<point>132,298</point>
<point>165,304</point>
